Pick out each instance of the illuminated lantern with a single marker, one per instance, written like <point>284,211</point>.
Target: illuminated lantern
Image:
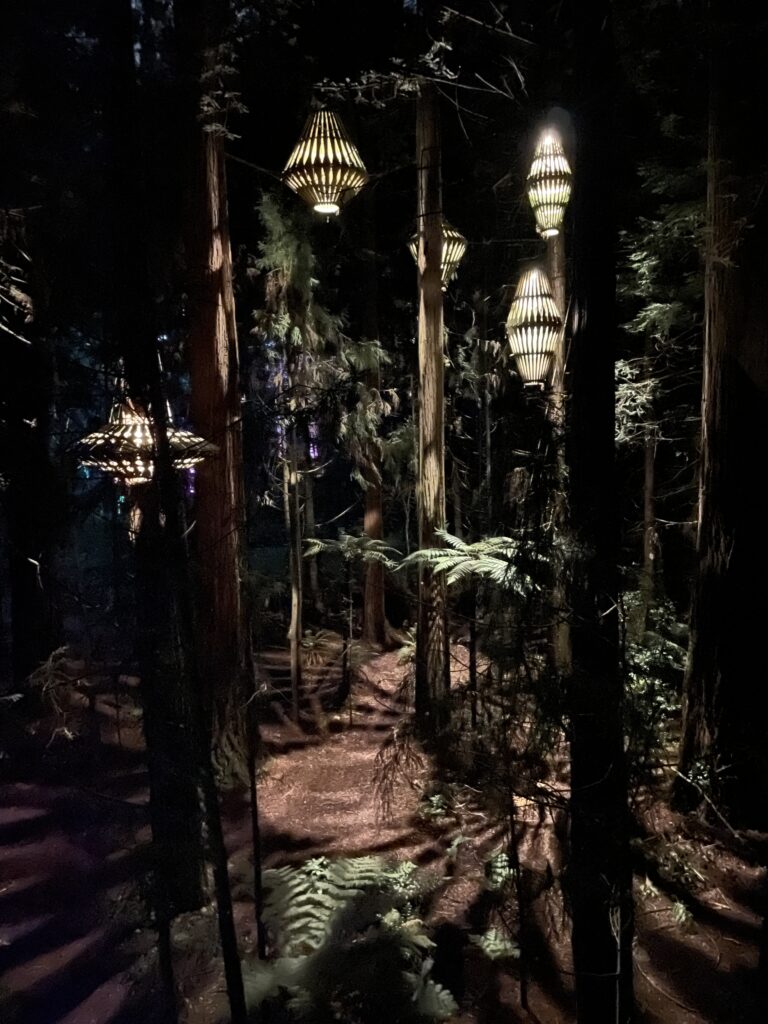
<point>533,326</point>
<point>454,247</point>
<point>125,448</point>
<point>325,168</point>
<point>549,184</point>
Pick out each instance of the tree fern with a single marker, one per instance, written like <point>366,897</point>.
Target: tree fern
<point>497,559</point>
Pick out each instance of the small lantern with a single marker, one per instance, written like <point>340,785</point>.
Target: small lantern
<point>533,326</point>
<point>454,247</point>
<point>325,168</point>
<point>549,184</point>
<point>125,448</point>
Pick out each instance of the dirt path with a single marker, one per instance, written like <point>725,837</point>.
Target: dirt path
<point>75,949</point>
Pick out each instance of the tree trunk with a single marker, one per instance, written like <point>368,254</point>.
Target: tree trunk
<point>36,499</point>
<point>650,539</point>
<point>309,523</point>
<point>556,410</point>
<point>172,760</point>
<point>722,734</point>
<point>431,629</point>
<point>600,877</point>
<point>215,400</point>
<point>292,494</point>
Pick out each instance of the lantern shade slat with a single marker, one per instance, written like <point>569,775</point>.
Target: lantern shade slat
<point>533,326</point>
<point>549,184</point>
<point>454,247</point>
<point>124,447</point>
<point>325,168</point>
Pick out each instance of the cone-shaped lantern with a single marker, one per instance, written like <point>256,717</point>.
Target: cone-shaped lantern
<point>549,184</point>
<point>454,247</point>
<point>125,448</point>
<point>533,326</point>
<point>325,168</point>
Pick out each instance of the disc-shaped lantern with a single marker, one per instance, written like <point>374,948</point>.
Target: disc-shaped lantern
<point>549,184</point>
<point>325,168</point>
<point>454,247</point>
<point>533,326</point>
<point>124,447</point>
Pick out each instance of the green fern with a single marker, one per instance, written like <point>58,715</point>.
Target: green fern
<point>351,944</point>
<point>496,945</point>
<point>498,874</point>
<point>497,559</point>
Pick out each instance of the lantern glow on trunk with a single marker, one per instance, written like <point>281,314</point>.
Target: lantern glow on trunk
<point>454,247</point>
<point>549,184</point>
<point>533,326</point>
<point>125,447</point>
<point>325,168</point>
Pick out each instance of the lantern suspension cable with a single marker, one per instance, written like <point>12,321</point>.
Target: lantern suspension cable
<point>549,184</point>
<point>454,247</point>
<point>533,326</point>
<point>325,168</point>
<point>125,447</point>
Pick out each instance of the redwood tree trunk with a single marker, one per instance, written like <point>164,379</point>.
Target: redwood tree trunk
<point>166,684</point>
<point>556,409</point>
<point>722,733</point>
<point>431,662</point>
<point>600,877</point>
<point>215,402</point>
<point>375,627</point>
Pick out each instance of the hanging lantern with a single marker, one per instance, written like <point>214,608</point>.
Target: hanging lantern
<point>454,247</point>
<point>533,326</point>
<point>549,184</point>
<point>125,448</point>
<point>325,168</point>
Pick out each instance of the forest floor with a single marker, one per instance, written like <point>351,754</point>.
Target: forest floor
<point>76,946</point>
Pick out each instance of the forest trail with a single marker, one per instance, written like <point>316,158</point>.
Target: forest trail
<point>74,943</point>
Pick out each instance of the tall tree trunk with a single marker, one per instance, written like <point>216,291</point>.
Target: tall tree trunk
<point>292,494</point>
<point>431,630</point>
<point>600,877</point>
<point>375,627</point>
<point>556,410</point>
<point>215,400</point>
<point>310,531</point>
<point>172,759</point>
<point>36,498</point>
<point>650,538</point>
<point>721,732</point>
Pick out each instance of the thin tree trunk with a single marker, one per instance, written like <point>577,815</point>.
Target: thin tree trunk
<point>215,399</point>
<point>295,553</point>
<point>600,876</point>
<point>309,524</point>
<point>431,629</point>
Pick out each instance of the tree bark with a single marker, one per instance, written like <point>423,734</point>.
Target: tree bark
<point>650,537</point>
<point>215,400</point>
<point>165,684</point>
<point>600,877</point>
<point>375,626</point>
<point>431,660</point>
<point>723,740</point>
<point>292,494</point>
<point>556,410</point>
